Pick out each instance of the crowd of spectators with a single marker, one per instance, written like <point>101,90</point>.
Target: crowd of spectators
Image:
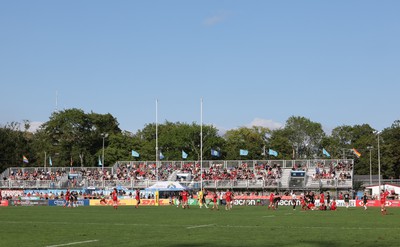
<point>36,174</point>
<point>268,172</point>
<point>340,171</point>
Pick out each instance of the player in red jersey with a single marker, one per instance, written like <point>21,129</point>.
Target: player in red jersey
<point>137,198</point>
<point>185,195</point>
<point>303,204</point>
<point>215,201</point>
<point>383,196</point>
<point>322,201</point>
<point>114,196</point>
<point>271,200</point>
<point>333,205</point>
<point>228,198</point>
<point>67,198</point>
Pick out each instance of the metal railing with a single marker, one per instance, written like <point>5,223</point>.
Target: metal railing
<point>85,182</point>
<point>137,184</point>
<point>251,164</point>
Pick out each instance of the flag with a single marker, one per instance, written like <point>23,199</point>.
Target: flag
<point>24,159</point>
<point>358,154</point>
<point>244,152</point>
<point>273,152</point>
<point>50,162</point>
<point>135,154</point>
<point>325,153</point>
<point>263,153</point>
<point>161,156</point>
<point>215,153</point>
<point>100,164</point>
<point>184,155</point>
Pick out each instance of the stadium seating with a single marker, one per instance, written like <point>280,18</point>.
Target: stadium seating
<point>292,174</point>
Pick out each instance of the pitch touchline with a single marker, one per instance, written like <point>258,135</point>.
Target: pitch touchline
<point>74,243</point>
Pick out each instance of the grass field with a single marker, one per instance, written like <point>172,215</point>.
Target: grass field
<point>172,226</point>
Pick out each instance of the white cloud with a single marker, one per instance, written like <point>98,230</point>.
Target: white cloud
<point>35,126</point>
<point>215,19</point>
<point>267,123</point>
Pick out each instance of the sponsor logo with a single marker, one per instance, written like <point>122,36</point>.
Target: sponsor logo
<point>244,202</point>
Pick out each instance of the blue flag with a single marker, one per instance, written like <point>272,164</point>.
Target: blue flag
<point>215,153</point>
<point>325,153</point>
<point>50,162</point>
<point>135,154</point>
<point>99,163</point>
<point>184,155</point>
<point>244,152</point>
<point>273,152</point>
<point>161,156</point>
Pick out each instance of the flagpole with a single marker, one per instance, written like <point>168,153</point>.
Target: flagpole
<point>157,139</point>
<point>201,144</point>
<point>45,161</point>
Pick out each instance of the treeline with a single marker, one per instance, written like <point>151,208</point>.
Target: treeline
<point>73,137</point>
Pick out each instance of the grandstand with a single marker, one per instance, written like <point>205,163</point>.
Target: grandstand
<point>216,174</point>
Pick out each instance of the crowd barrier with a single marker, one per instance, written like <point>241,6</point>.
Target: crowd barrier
<point>244,201</point>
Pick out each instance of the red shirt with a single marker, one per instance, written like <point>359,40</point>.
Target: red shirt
<point>271,197</point>
<point>67,195</point>
<point>383,196</point>
<point>184,196</point>
<point>137,197</point>
<point>228,196</point>
<point>322,198</point>
<point>114,195</point>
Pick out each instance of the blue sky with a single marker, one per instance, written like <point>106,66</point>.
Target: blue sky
<point>252,62</point>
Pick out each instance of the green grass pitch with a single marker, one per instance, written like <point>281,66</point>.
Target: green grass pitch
<point>176,227</point>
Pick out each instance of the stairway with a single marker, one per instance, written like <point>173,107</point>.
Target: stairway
<point>285,178</point>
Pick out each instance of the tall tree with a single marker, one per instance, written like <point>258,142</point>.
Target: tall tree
<point>305,136</point>
<point>251,139</point>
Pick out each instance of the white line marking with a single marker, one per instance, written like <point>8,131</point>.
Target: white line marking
<point>214,225</point>
<point>199,226</point>
<point>74,243</point>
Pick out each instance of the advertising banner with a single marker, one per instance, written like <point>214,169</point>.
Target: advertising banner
<point>377,203</point>
<point>152,202</point>
<point>339,203</point>
<point>129,202</point>
<point>257,202</point>
<point>3,203</point>
<point>191,202</point>
<point>12,193</point>
<point>62,202</point>
<point>108,202</point>
<point>28,203</point>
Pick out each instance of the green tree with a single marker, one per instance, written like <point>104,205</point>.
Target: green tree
<point>251,139</point>
<point>305,136</point>
<point>279,141</point>
<point>14,144</point>
<point>74,136</point>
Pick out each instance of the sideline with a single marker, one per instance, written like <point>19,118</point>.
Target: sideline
<point>187,226</point>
